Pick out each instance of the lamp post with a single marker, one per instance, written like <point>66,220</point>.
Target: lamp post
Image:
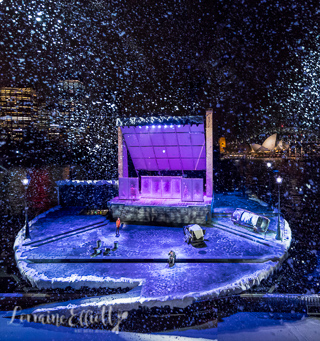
<point>25,183</point>
<point>279,181</point>
<point>269,165</point>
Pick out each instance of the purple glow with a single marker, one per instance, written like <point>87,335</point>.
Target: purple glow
<point>161,187</point>
<point>129,188</point>
<point>192,190</point>
<point>160,202</point>
<point>163,164</point>
<point>186,190</point>
<point>176,187</point>
<point>183,147</point>
<point>166,187</point>
<point>156,187</point>
<point>146,187</point>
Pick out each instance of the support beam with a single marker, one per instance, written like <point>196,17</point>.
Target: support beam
<point>122,156</point>
<point>120,153</point>
<point>209,153</point>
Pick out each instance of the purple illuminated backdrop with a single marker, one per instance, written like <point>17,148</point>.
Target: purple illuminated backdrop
<point>166,147</point>
<point>168,187</point>
<point>165,187</point>
<point>129,188</point>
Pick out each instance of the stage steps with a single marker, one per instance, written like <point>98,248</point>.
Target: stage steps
<point>67,234</point>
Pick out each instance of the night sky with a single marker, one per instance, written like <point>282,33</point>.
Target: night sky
<point>254,62</point>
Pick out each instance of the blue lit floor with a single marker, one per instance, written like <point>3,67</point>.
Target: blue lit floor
<point>65,234</point>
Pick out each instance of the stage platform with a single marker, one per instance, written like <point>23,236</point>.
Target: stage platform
<point>62,240</point>
<point>163,211</point>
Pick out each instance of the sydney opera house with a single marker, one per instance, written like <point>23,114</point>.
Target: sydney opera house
<point>271,144</point>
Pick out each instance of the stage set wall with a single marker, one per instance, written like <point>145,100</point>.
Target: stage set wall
<point>84,194</point>
<point>167,215</point>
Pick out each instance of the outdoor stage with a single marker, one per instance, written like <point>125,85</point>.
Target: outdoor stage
<point>172,162</point>
<point>173,165</point>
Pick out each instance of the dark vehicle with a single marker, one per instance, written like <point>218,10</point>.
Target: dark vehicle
<point>194,234</point>
<point>249,219</point>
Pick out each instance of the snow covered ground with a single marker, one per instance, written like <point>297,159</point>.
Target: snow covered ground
<point>66,234</point>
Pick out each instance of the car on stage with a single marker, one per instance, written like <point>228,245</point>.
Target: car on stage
<point>194,234</point>
<point>254,221</point>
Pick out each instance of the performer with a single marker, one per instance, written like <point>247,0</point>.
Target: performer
<point>172,258</point>
<point>118,223</point>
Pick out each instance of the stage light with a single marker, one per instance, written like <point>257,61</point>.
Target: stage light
<point>140,127</point>
<point>147,127</point>
<point>153,126</point>
<point>165,126</point>
<point>163,151</point>
<point>159,127</point>
<point>179,126</point>
<point>269,164</point>
<point>26,183</point>
<point>171,126</point>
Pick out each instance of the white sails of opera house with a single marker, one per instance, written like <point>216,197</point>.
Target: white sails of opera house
<point>270,144</point>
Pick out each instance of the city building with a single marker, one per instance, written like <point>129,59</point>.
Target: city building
<point>18,112</point>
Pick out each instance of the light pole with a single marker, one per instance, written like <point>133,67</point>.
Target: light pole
<point>269,165</point>
<point>26,182</point>
<point>279,181</point>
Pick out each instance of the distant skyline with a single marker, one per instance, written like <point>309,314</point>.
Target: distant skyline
<point>245,59</point>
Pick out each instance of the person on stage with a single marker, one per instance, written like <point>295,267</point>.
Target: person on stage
<point>118,223</point>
